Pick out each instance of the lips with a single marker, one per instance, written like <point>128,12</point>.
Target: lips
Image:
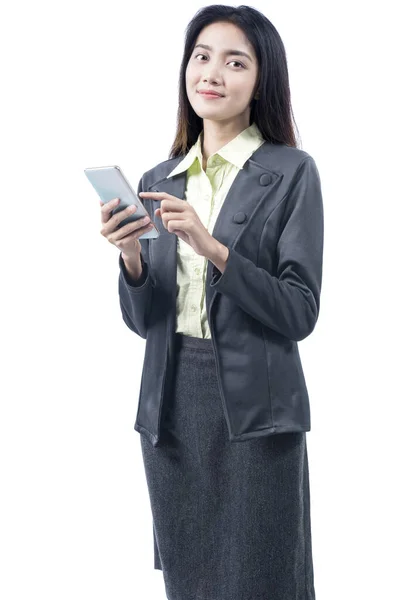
<point>209,93</point>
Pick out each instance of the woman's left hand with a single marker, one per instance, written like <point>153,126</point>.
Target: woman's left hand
<point>179,217</point>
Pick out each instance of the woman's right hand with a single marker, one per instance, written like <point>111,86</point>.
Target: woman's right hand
<point>125,238</point>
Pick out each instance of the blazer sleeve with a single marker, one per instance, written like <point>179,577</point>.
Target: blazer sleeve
<point>136,297</point>
<point>288,302</point>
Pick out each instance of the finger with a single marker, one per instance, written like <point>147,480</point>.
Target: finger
<point>175,217</point>
<point>155,195</point>
<point>173,224</point>
<point>135,230</point>
<point>132,226</point>
<point>106,209</point>
<point>113,221</point>
<point>167,201</point>
<point>111,225</point>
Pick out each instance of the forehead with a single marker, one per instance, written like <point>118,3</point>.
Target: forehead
<point>223,36</point>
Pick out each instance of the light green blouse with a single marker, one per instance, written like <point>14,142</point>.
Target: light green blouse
<point>206,192</point>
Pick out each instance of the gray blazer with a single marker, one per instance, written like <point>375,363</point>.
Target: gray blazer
<point>266,300</point>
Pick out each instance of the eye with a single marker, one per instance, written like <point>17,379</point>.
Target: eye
<point>235,61</point>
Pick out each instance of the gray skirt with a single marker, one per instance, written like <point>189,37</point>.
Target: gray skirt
<point>231,520</point>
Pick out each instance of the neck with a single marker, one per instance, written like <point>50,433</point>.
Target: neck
<point>216,135</point>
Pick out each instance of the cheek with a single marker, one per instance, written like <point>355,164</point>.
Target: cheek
<point>190,74</point>
<point>189,80</point>
<point>243,87</point>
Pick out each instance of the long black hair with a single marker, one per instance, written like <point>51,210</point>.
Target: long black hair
<point>272,112</point>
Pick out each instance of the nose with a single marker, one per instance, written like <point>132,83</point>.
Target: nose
<point>211,73</point>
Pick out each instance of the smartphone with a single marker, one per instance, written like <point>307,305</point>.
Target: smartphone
<point>109,183</point>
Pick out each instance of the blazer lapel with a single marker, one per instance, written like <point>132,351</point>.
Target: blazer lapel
<point>246,192</point>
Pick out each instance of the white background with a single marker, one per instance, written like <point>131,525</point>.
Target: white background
<point>91,83</point>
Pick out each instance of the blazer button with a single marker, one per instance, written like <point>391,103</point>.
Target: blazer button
<point>240,217</point>
<point>265,179</point>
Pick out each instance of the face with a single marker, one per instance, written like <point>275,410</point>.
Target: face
<point>220,68</point>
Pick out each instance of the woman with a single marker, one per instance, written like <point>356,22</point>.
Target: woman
<point>222,296</point>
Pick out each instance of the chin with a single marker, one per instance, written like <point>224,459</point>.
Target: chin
<point>212,107</point>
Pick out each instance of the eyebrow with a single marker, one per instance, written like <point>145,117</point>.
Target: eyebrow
<point>227,52</point>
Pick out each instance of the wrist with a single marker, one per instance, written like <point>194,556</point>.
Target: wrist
<point>219,255</point>
<point>130,259</point>
<point>133,266</point>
